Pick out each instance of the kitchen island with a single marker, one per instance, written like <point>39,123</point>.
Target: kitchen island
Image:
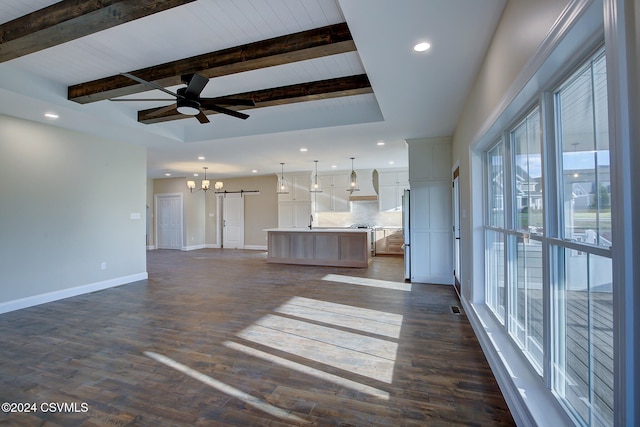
<point>339,247</point>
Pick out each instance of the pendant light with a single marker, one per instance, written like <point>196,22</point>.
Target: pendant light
<point>353,179</point>
<point>283,185</point>
<point>316,183</point>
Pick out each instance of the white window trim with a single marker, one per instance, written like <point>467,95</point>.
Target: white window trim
<point>621,21</point>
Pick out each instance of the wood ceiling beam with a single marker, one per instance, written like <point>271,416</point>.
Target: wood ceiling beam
<point>322,89</point>
<point>71,19</point>
<point>315,43</point>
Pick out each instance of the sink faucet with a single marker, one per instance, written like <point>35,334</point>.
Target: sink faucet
<point>310,221</point>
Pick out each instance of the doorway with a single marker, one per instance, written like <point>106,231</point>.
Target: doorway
<point>456,229</point>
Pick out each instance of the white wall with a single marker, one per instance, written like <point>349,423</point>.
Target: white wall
<point>66,205</point>
<point>523,27</point>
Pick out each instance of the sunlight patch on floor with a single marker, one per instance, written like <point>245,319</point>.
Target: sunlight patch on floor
<point>351,352</point>
<point>364,281</point>
<point>227,389</point>
<point>347,316</point>
<point>317,373</point>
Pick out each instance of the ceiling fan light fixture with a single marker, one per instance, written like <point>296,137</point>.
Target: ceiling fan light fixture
<point>188,107</point>
<point>188,100</point>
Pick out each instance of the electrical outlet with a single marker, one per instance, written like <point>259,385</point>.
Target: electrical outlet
<point>103,266</point>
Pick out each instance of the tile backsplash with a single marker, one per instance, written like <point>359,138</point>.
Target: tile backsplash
<point>361,212</point>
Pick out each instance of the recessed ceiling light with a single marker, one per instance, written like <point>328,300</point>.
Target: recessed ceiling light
<point>391,162</point>
<point>254,171</point>
<point>334,166</point>
<point>201,158</point>
<point>422,46</point>
<point>167,174</point>
<point>380,143</point>
<point>51,115</point>
<point>303,149</point>
<point>195,174</point>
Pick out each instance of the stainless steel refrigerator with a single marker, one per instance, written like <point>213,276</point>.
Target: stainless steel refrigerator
<point>406,226</point>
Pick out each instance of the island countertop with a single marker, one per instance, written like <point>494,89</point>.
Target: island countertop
<point>321,229</point>
<point>340,247</point>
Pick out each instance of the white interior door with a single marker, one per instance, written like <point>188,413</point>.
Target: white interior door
<point>233,221</point>
<point>168,216</point>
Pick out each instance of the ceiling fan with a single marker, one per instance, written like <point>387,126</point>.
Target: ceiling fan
<point>188,100</point>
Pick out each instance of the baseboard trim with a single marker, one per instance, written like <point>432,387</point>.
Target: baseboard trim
<point>256,247</point>
<point>433,280</point>
<point>193,248</point>
<point>34,300</point>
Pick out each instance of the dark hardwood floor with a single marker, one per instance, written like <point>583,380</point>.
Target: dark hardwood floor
<point>221,338</point>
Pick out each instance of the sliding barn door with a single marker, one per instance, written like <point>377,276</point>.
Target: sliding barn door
<point>233,221</point>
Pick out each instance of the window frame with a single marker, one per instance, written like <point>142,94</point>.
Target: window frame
<point>551,238</point>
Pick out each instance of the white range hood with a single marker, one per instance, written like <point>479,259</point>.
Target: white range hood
<point>368,183</point>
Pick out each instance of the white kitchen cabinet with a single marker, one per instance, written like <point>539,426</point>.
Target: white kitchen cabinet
<point>334,196</point>
<point>399,178</point>
<point>431,210</point>
<point>298,188</point>
<point>390,198</point>
<point>294,214</point>
<point>391,186</point>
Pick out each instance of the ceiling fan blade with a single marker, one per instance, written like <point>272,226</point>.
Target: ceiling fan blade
<point>162,110</point>
<point>150,84</point>
<point>202,117</point>
<point>195,85</point>
<point>230,101</point>
<point>142,99</point>
<point>210,106</point>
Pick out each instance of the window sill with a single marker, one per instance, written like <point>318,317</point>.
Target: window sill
<point>529,401</point>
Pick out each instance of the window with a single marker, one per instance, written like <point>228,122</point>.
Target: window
<point>525,252</point>
<point>582,287</point>
<point>527,164</point>
<point>495,291</point>
<point>581,106</point>
<point>567,267</point>
<point>495,179</point>
<point>583,321</point>
<point>525,303</point>
<point>494,238</point>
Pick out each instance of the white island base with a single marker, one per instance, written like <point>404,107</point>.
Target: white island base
<point>348,247</point>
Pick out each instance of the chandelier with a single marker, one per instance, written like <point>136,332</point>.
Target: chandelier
<point>205,184</point>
